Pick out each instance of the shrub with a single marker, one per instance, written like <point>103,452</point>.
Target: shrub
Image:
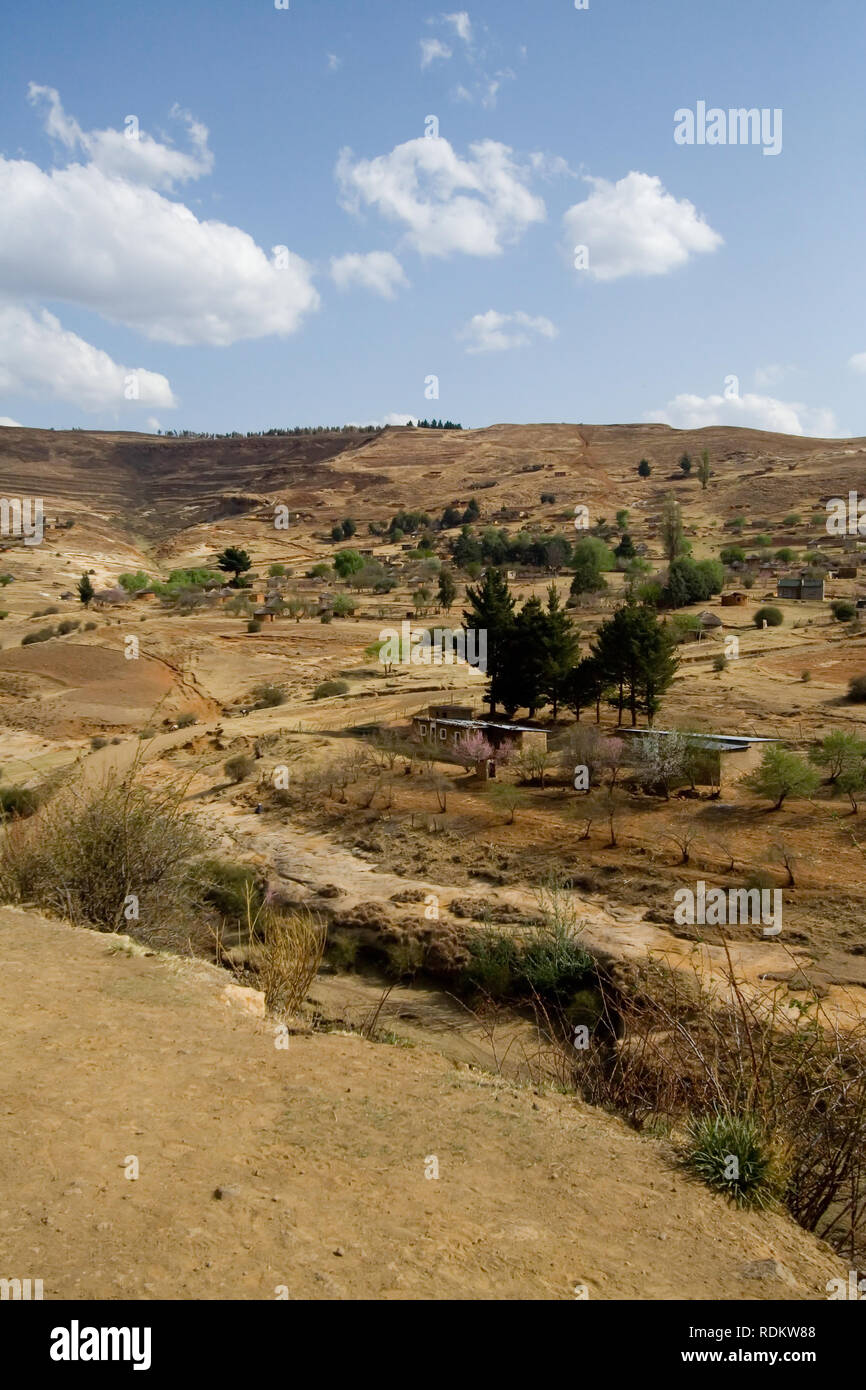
<point>857,689</point>
<point>781,774</point>
<point>89,849</point>
<point>45,612</point>
<point>42,634</point>
<point>254,625</point>
<point>792,519</point>
<point>233,890</point>
<point>720,663</point>
<point>147,733</point>
<point>4,613</point>
<point>240,767</point>
<point>326,688</point>
<point>733,1154</point>
<point>98,742</point>
<point>772,616</point>
<point>269,696</point>
<point>293,944</point>
<point>186,720</point>
<point>843,610</point>
<point>88,627</point>
<point>18,801</point>
<point>344,606</point>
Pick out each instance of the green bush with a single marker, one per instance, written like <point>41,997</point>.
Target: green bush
<point>547,963</point>
<point>186,720</point>
<point>327,688</point>
<point>42,634</point>
<point>254,625</point>
<point>773,617</point>
<point>68,625</point>
<point>98,742</point>
<point>857,690</point>
<point>733,1154</point>
<point>843,610</point>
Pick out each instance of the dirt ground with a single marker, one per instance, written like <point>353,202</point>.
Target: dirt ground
<point>267,1171</point>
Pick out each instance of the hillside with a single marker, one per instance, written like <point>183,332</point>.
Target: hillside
<point>303,1168</point>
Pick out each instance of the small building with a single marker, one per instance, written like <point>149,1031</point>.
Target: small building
<point>800,587</point>
<point>110,598</point>
<point>264,615</point>
<point>445,732</point>
<point>715,753</point>
<point>735,599</point>
<point>847,572</point>
<point>709,620</point>
<point>147,595</point>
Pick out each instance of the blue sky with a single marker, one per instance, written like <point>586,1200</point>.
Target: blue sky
<point>139,285</point>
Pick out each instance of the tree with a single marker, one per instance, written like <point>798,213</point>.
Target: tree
<point>560,654</point>
<point>782,774</point>
<point>590,557</point>
<point>704,470</point>
<point>636,655</point>
<point>838,753</point>
<point>347,563</point>
<point>622,518</point>
<point>686,464</point>
<point>447,590</point>
<point>234,561</point>
<point>663,759</point>
<point>692,581</point>
<point>522,681</point>
<point>473,511</point>
<point>625,550</point>
<point>644,468</point>
<point>348,528</point>
<point>672,529</point>
<point>85,590</point>
<point>491,609</point>
<point>584,686</point>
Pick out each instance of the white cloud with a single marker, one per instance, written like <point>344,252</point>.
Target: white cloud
<point>474,205</point>
<point>634,227</point>
<point>431,49</point>
<point>550,166</point>
<point>462,25</point>
<point>6,421</point>
<point>378,271</point>
<point>858,362</point>
<point>688,412</point>
<point>39,357</point>
<point>334,62</point>
<point>101,238</point>
<point>495,332</point>
<point>129,153</point>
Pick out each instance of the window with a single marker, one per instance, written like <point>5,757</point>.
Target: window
<point>443,734</point>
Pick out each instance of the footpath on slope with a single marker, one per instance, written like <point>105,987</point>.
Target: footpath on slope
<point>302,1168</point>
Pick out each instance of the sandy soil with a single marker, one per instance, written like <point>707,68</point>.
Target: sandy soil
<point>303,1168</point>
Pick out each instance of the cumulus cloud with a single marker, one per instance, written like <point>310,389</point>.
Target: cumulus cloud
<point>635,227</point>
<point>858,362</point>
<point>100,236</point>
<point>378,271</point>
<point>447,204</point>
<point>495,332</point>
<point>39,357</point>
<point>6,421</point>
<point>392,418</point>
<point>431,49</point>
<point>690,412</point>
<point>334,62</point>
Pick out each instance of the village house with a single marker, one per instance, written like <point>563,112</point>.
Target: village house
<point>800,587</point>
<point>450,731</point>
<point>735,599</point>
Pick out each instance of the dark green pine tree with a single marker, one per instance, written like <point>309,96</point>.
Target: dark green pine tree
<point>491,609</point>
<point>561,649</point>
<point>637,657</point>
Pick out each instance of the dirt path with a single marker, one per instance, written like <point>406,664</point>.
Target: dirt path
<point>319,1153</point>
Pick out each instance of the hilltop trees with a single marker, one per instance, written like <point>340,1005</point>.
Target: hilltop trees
<point>704,470</point>
<point>85,590</point>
